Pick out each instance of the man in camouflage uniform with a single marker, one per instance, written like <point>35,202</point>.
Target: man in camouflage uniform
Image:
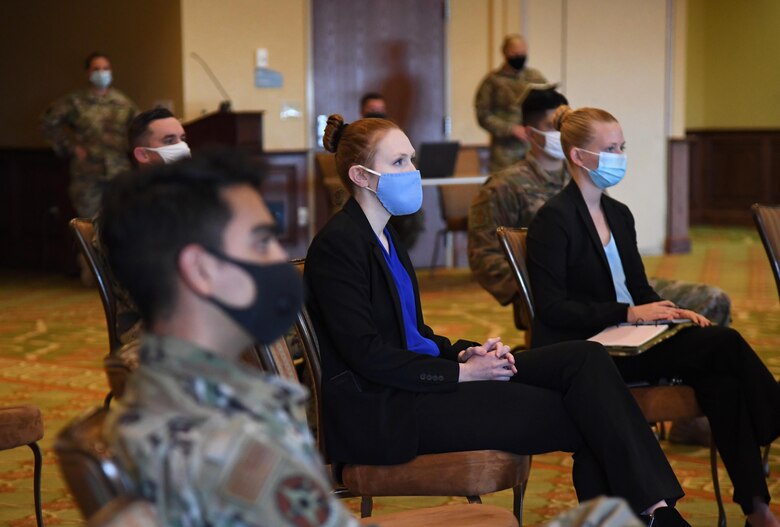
<point>155,137</point>
<point>208,441</point>
<point>498,104</point>
<point>513,196</point>
<point>90,126</point>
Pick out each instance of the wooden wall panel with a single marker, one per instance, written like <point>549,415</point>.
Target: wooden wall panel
<point>729,171</point>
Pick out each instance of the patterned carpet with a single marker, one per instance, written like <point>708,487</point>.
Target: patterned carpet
<point>52,341</point>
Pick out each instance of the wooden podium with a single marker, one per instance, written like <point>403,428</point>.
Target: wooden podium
<point>242,130</point>
<point>284,186</point>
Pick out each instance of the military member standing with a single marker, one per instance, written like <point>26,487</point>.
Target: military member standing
<point>210,442</point>
<point>513,196</point>
<point>90,126</point>
<point>498,103</point>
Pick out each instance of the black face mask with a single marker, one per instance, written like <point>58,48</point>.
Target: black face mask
<point>377,115</point>
<point>517,62</point>
<point>279,297</point>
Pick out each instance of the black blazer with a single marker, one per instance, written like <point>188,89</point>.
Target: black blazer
<point>574,297</point>
<point>370,380</point>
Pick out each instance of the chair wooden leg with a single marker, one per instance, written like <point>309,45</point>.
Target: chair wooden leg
<point>37,483</point>
<point>716,484</point>
<point>765,460</point>
<point>436,241</point>
<point>474,499</point>
<point>517,505</point>
<point>366,506</point>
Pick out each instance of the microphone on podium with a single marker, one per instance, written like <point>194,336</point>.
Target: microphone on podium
<point>225,105</point>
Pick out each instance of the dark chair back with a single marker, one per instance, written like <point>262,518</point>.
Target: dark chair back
<point>513,243</point>
<point>767,218</point>
<point>91,471</point>
<point>84,231</point>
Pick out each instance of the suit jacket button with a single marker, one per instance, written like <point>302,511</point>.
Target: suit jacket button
<point>422,376</point>
<point>440,378</point>
<point>428,377</point>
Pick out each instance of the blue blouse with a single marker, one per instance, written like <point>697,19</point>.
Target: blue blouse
<point>403,285</point>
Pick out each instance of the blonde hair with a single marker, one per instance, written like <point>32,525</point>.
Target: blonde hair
<point>576,126</point>
<point>354,143</point>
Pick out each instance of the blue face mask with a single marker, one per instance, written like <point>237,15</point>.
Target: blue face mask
<point>101,78</point>
<point>611,169</point>
<point>400,193</point>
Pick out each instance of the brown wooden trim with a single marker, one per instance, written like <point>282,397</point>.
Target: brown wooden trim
<point>677,190</point>
<point>730,170</point>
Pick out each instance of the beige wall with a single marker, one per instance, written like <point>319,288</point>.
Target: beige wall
<point>44,44</point>
<point>226,34</point>
<point>733,77</point>
<point>476,30</point>
<point>613,54</point>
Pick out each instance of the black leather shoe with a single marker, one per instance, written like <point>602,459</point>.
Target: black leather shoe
<point>665,517</point>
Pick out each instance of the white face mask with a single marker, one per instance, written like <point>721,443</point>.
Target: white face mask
<point>172,153</point>
<point>552,143</point>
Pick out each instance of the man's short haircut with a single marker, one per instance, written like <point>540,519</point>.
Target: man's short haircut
<point>370,96</point>
<point>92,56</point>
<point>509,39</point>
<point>138,129</point>
<point>149,216</point>
<point>538,102</point>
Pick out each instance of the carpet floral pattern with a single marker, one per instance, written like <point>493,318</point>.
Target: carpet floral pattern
<point>53,339</point>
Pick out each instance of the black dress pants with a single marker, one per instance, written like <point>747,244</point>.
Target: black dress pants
<point>735,391</point>
<point>566,397</point>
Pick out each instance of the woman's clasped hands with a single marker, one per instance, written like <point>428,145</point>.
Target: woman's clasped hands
<point>492,361</point>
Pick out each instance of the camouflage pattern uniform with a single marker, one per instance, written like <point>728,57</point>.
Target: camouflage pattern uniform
<point>511,198</point>
<point>499,109</point>
<point>99,125</point>
<point>211,443</point>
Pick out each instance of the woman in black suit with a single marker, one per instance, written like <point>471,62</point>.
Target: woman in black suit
<point>393,389</point>
<point>586,274</point>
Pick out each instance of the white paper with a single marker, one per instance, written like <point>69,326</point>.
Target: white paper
<point>629,336</point>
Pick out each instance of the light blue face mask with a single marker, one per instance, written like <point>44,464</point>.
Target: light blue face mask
<point>100,78</point>
<point>611,169</point>
<point>400,193</point>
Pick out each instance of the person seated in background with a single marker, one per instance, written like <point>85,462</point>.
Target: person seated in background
<point>586,274</point>
<point>208,441</point>
<point>392,389</point>
<point>511,198</point>
<point>157,136</point>
<point>372,104</point>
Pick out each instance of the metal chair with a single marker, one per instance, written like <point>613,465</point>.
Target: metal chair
<point>468,474</point>
<point>106,495</point>
<point>658,403</point>
<point>89,467</point>
<point>84,231</point>
<point>23,426</point>
<point>767,219</point>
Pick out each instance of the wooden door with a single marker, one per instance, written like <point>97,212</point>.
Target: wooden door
<point>394,47</point>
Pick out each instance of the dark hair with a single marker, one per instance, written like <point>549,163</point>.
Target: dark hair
<point>369,97</point>
<point>149,216</point>
<point>539,102</point>
<point>354,143</point>
<point>92,56</point>
<point>139,126</point>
